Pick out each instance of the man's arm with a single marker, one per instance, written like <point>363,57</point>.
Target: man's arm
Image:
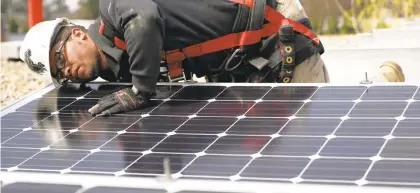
<point>143,28</point>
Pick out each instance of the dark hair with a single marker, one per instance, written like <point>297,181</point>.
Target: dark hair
<point>64,32</point>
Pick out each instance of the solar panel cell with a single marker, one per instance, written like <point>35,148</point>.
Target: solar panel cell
<point>54,160</point>
<point>71,91</point>
<point>310,127</point>
<point>226,165</point>
<point>80,106</point>
<point>225,108</point>
<point>80,140</point>
<point>185,143</point>
<point>152,164</point>
<point>366,127</point>
<point>11,157</point>
<point>46,105</point>
<point>290,93</point>
<point>389,93</point>
<point>20,120</point>
<point>199,92</point>
<point>378,109</point>
<point>417,95</point>
<point>238,145</point>
<point>161,125</point>
<point>107,124</point>
<point>255,126</point>
<point>352,147</point>
<point>61,122</point>
<point>402,148</point>
<point>325,109</point>
<point>407,128</point>
<point>32,139</point>
<point>104,162</point>
<point>391,171</point>
<point>336,169</point>
<point>179,108</point>
<point>7,134</point>
<point>339,93</point>
<point>274,109</point>
<point>242,93</point>
<point>294,146</point>
<point>264,168</point>
<point>413,110</point>
<point>204,125</point>
<point>103,90</point>
<point>133,142</point>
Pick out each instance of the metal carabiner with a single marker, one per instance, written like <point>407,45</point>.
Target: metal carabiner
<point>231,58</point>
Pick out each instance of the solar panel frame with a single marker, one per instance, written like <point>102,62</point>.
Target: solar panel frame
<point>180,185</point>
<point>223,185</point>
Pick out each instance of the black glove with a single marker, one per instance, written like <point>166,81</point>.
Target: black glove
<point>121,101</point>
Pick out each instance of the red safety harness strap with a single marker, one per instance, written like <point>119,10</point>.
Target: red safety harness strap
<point>119,43</point>
<point>276,20</point>
<point>279,20</point>
<point>215,45</point>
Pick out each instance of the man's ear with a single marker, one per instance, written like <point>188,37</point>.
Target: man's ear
<point>78,33</point>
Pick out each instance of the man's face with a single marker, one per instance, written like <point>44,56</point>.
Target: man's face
<point>79,55</point>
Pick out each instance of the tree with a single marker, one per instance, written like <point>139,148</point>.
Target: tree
<point>13,25</point>
<point>88,9</point>
<point>366,15</point>
<point>407,8</point>
<point>57,8</point>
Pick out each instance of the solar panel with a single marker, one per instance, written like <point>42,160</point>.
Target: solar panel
<point>306,135</point>
<point>39,188</point>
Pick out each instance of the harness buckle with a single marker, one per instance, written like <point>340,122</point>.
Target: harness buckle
<point>172,72</point>
<point>175,72</point>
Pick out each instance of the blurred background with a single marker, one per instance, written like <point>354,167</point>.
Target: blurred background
<point>358,36</point>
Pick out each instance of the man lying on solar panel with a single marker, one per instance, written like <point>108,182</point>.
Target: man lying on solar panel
<point>144,42</point>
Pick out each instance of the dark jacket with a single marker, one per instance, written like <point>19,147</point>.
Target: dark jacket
<point>150,26</point>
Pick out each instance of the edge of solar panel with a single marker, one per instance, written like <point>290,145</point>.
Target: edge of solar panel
<point>188,184</point>
<point>25,99</point>
<point>88,182</point>
<point>38,93</point>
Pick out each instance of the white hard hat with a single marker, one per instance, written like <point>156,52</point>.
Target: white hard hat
<point>35,47</point>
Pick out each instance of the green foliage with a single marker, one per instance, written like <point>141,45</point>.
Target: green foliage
<point>89,9</point>
<point>332,25</point>
<point>56,8</point>
<point>407,8</point>
<point>347,27</point>
<point>13,25</point>
<point>359,16</point>
<point>367,15</point>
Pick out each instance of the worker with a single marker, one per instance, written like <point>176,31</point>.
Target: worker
<point>222,40</point>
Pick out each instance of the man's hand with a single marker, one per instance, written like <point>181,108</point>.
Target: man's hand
<point>121,101</point>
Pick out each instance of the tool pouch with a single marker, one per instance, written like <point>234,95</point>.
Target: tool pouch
<point>281,53</point>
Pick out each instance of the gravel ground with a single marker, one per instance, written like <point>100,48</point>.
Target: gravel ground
<point>17,81</point>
